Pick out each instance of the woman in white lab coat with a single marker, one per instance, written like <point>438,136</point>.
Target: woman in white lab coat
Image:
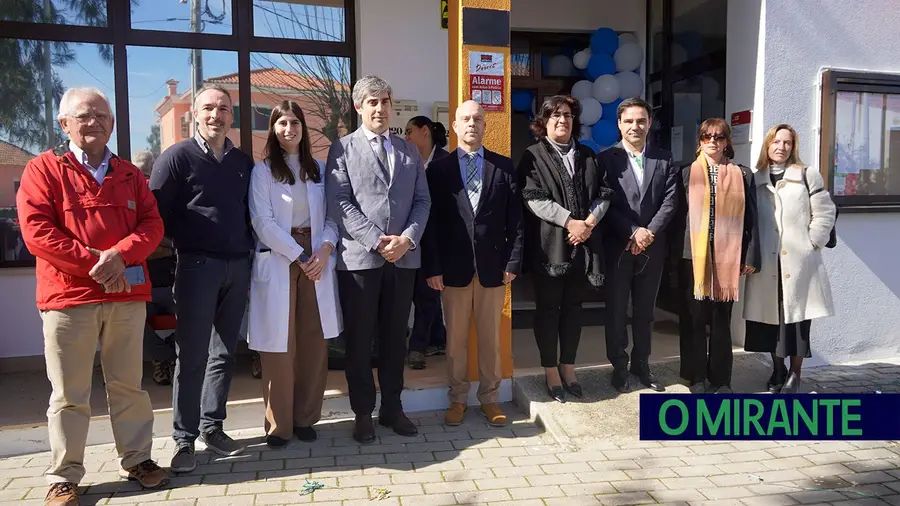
<point>294,304</point>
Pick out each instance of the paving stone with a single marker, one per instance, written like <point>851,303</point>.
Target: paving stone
<point>626,498</point>
<point>482,496</point>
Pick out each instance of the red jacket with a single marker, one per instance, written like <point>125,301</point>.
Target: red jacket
<point>63,211</point>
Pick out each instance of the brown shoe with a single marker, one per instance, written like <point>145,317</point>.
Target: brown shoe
<point>455,414</point>
<point>494,415</point>
<point>62,494</point>
<point>147,473</point>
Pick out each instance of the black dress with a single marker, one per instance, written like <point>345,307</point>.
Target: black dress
<point>785,340</point>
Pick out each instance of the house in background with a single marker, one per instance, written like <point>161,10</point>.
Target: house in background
<point>269,87</point>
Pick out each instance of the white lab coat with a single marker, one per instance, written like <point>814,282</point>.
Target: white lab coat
<point>271,210</point>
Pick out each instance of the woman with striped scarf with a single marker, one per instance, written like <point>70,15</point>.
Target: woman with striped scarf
<point>720,246</point>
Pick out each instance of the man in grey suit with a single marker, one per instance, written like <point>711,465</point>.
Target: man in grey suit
<point>378,196</point>
<point>645,183</point>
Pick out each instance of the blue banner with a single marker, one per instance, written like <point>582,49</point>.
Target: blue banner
<point>801,417</point>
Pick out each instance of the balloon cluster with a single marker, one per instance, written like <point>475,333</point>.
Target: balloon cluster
<point>611,64</point>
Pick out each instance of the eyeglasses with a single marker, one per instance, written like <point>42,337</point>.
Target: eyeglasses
<point>85,117</point>
<point>716,137</point>
<point>557,116</point>
<point>642,254</point>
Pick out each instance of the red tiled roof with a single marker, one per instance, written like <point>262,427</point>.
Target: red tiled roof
<point>272,78</point>
<point>13,155</point>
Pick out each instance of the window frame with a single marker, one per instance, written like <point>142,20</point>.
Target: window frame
<point>119,33</point>
<point>834,81</point>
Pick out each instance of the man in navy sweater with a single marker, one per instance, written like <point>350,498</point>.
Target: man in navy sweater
<point>201,186</point>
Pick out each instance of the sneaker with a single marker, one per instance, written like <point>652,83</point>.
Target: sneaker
<point>62,494</point>
<point>456,414</point>
<point>416,360</point>
<point>183,461</point>
<point>147,473</point>
<point>162,374</point>
<point>219,442</point>
<point>494,415</point>
<point>434,351</point>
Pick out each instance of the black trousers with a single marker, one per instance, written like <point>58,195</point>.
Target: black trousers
<point>375,302</point>
<point>638,277</point>
<point>704,356</point>
<point>557,316</point>
<point>428,323</point>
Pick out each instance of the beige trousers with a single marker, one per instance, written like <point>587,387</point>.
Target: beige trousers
<point>70,341</point>
<point>294,382</point>
<point>486,305</point>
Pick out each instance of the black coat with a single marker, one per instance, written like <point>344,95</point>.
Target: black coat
<point>458,243</point>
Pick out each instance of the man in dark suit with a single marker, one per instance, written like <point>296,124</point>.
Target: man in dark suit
<point>472,249</point>
<point>645,183</point>
<point>378,196</point>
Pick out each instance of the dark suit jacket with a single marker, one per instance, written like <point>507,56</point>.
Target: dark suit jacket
<point>458,243</point>
<point>628,211</point>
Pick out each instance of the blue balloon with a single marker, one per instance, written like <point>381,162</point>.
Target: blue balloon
<point>600,64</point>
<point>604,41</point>
<point>521,100</point>
<point>610,111</point>
<point>605,132</point>
<point>591,144</point>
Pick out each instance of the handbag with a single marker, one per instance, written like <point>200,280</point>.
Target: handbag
<point>832,239</point>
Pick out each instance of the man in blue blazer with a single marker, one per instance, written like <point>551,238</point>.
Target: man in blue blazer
<point>472,249</point>
<point>644,181</point>
<point>378,196</point>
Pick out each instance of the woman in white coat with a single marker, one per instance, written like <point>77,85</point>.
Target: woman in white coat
<point>294,303</point>
<point>796,215</point>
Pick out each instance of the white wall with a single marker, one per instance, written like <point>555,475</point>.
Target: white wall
<point>20,322</point>
<point>791,46</point>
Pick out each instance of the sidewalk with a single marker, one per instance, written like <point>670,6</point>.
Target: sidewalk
<point>521,464</point>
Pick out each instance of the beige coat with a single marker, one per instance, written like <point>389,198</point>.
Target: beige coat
<point>794,225</point>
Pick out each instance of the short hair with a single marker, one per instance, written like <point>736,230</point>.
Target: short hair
<point>793,160</point>
<point>68,99</point>
<point>370,86</point>
<point>143,160</point>
<point>207,87</point>
<point>550,106</point>
<point>633,102</point>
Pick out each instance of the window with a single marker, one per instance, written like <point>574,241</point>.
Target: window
<point>860,155</point>
<point>80,13</point>
<point>200,16</point>
<point>321,20</point>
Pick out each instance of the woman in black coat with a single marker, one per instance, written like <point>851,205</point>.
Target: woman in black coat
<point>567,195</point>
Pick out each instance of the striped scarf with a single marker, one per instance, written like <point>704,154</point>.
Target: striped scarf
<point>716,269</point>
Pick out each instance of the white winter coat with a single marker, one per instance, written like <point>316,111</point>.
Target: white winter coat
<point>794,225</point>
<point>271,211</point>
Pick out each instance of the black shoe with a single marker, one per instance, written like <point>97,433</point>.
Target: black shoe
<point>398,422</point>
<point>574,388</point>
<point>698,387</point>
<point>791,385</point>
<point>364,431</point>
<point>219,442</point>
<point>647,378</point>
<point>307,434</point>
<point>776,380</point>
<point>556,393</point>
<point>620,380</point>
<point>276,442</point>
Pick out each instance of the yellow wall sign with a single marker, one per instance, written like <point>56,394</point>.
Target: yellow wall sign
<point>444,14</point>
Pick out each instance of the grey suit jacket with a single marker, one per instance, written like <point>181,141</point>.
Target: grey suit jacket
<point>366,206</point>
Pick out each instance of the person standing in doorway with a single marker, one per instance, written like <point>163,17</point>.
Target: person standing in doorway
<point>720,246</point>
<point>428,336</point>
<point>473,249</point>
<point>91,222</point>
<point>378,196</point>
<point>201,185</point>
<point>646,186</point>
<point>293,296</point>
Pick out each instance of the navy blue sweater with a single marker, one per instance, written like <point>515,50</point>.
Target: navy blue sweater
<point>203,202</point>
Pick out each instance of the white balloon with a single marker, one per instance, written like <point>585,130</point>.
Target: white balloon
<point>628,57</point>
<point>630,84</point>
<point>606,89</point>
<point>581,59</point>
<point>627,38</point>
<point>560,65</point>
<point>591,111</point>
<point>583,89</point>
<point>586,131</point>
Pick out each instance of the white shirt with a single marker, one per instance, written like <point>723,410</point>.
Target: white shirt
<point>301,200</point>
<point>388,147</point>
<point>431,156</point>
<point>638,169</point>
<point>99,173</point>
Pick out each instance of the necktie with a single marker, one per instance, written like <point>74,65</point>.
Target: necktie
<point>473,184</point>
<point>381,152</point>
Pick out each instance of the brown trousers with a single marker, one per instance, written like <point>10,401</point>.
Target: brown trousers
<point>70,341</point>
<point>486,305</point>
<point>294,382</point>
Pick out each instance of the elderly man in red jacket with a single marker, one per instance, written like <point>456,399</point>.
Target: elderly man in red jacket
<point>91,221</point>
